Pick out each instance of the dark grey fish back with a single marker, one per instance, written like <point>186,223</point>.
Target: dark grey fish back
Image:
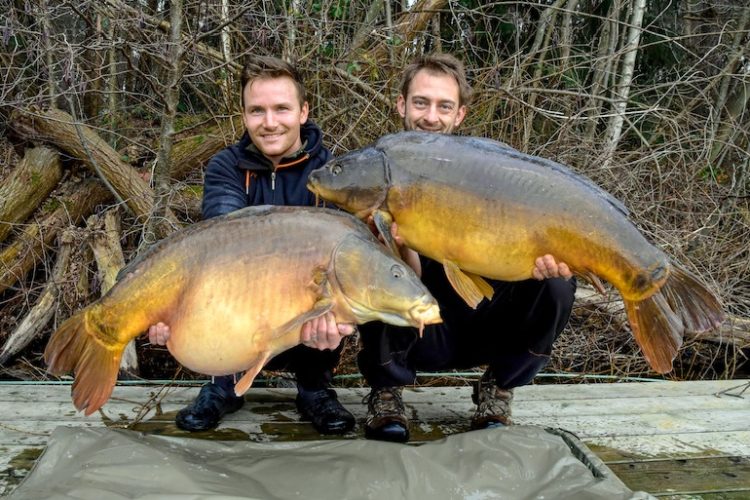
<point>441,142</point>
<point>260,211</point>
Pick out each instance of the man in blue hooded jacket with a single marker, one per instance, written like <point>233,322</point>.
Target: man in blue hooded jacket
<point>269,166</point>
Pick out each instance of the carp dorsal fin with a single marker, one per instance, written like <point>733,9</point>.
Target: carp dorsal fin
<point>471,287</point>
<point>247,379</point>
<point>383,221</point>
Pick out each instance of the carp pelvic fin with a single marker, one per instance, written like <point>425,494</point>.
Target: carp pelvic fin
<point>247,379</point>
<point>471,287</point>
<point>595,282</point>
<point>383,221</point>
<point>73,347</point>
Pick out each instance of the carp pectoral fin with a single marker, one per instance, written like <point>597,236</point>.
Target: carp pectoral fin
<point>383,222</point>
<point>470,287</point>
<point>657,329</point>
<point>246,381</point>
<point>321,307</point>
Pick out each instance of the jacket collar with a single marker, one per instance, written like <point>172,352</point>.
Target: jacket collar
<point>252,159</point>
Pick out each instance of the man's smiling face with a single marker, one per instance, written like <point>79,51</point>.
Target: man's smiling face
<point>432,103</point>
<point>273,116</point>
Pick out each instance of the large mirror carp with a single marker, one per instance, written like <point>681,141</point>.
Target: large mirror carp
<point>484,209</point>
<point>235,291</point>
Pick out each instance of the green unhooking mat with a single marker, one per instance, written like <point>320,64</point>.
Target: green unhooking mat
<point>516,462</point>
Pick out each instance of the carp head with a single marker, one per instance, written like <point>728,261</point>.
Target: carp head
<point>357,181</point>
<point>376,286</point>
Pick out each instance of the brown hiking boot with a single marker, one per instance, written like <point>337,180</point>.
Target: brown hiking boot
<point>493,403</point>
<point>386,415</point>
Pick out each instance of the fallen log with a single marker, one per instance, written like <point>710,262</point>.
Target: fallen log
<point>82,142</point>
<point>32,325</point>
<point>19,257</point>
<point>27,186</point>
<point>735,330</point>
<point>193,152</point>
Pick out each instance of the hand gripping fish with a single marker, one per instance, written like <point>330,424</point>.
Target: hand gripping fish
<point>484,209</point>
<point>235,291</point>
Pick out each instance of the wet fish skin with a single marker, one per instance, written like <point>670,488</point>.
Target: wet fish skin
<point>484,209</point>
<point>235,291</point>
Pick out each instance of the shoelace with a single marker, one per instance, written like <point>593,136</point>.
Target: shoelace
<point>493,401</point>
<point>386,402</point>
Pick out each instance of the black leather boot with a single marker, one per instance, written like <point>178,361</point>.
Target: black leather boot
<point>206,410</point>
<point>322,408</point>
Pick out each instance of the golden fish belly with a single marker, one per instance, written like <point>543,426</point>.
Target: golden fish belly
<point>500,237</point>
<point>480,236</point>
<point>230,315</point>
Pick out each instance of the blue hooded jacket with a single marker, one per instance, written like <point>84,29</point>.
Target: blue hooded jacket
<point>239,176</point>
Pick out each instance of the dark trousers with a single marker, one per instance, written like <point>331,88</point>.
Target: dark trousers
<point>312,368</point>
<point>513,333</point>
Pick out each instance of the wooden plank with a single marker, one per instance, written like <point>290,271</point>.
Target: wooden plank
<point>690,477</point>
<point>459,406</point>
<point>540,392</point>
<point>624,424</point>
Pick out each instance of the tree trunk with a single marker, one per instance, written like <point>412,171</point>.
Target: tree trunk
<point>155,227</point>
<point>34,322</point>
<point>410,25</point>
<point>545,28</point>
<point>726,122</point>
<point>29,248</point>
<point>27,186</point>
<point>83,143</point>
<point>602,69</point>
<point>614,130</point>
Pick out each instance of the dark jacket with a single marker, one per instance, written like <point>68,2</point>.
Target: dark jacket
<point>239,176</point>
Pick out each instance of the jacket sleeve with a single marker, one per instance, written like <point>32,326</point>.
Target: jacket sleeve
<point>223,188</point>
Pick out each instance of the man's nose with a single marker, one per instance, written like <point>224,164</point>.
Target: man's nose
<point>432,114</point>
<point>269,120</point>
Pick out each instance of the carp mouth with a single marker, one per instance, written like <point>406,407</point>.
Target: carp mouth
<point>426,312</point>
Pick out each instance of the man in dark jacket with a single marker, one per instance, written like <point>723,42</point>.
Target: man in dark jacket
<point>512,333</point>
<point>269,166</point>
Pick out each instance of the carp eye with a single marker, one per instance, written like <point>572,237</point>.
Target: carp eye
<point>336,169</point>
<point>397,271</point>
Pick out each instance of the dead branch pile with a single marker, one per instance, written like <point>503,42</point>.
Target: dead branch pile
<point>108,116</point>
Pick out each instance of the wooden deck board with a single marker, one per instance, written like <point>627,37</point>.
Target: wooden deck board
<point>668,438</point>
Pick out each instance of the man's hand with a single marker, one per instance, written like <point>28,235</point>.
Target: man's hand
<point>158,334</point>
<point>324,333</point>
<point>548,267</point>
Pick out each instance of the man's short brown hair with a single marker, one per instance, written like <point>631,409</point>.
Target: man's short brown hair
<point>441,64</point>
<point>259,67</point>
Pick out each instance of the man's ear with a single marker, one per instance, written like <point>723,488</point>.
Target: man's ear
<point>401,105</point>
<point>304,112</point>
<point>460,115</point>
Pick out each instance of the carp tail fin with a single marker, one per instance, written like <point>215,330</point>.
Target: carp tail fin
<point>74,347</point>
<point>247,379</point>
<point>697,306</point>
<point>657,330</point>
<point>471,287</point>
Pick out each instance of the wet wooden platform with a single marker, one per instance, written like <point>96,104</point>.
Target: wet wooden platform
<point>678,440</point>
